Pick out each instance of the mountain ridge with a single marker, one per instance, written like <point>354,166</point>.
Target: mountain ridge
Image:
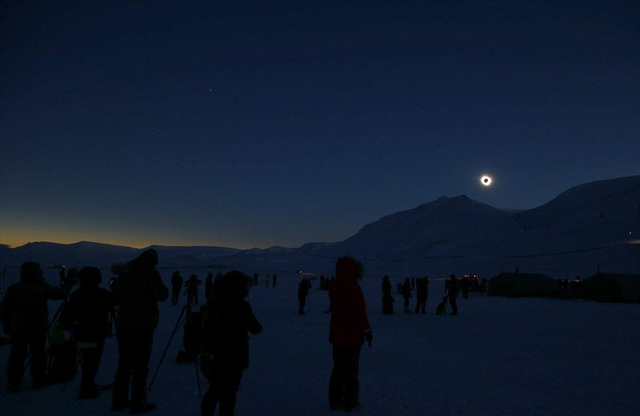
<point>588,226</point>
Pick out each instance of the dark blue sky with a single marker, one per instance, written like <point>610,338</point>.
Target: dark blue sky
<point>260,123</point>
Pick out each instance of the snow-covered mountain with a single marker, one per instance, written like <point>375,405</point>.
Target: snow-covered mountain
<point>433,229</point>
<point>104,255</point>
<point>590,227</point>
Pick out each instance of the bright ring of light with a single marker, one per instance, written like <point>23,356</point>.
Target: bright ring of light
<point>486,180</point>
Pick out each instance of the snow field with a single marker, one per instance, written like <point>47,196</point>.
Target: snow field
<point>499,356</point>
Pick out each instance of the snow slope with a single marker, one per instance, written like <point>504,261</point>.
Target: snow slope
<point>498,357</point>
<point>591,227</point>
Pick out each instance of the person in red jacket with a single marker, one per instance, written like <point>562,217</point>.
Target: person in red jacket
<point>348,330</point>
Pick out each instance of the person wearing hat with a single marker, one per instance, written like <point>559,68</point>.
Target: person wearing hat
<point>86,315</point>
<point>25,319</point>
<point>138,290</point>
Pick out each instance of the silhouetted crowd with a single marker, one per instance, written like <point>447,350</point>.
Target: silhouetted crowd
<point>216,335</point>
<point>420,286</point>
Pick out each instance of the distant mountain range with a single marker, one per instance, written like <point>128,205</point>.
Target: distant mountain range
<point>590,227</point>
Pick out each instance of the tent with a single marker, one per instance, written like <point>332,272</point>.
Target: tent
<point>522,284</point>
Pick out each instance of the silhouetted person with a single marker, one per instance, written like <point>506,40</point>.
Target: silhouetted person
<point>466,284</point>
<point>226,344</point>
<point>176,286</point>
<point>348,330</point>
<point>25,319</point>
<point>71,279</point>
<point>275,279</point>
<point>387,297</point>
<point>303,292</point>
<point>453,294</point>
<point>422,291</point>
<point>86,315</point>
<point>138,288</point>
<point>192,289</point>
<point>406,294</point>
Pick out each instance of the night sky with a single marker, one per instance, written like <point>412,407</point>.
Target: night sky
<point>260,123</point>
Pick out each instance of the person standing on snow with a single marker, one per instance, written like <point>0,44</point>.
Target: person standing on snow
<point>453,294</point>
<point>86,315</point>
<point>303,292</point>
<point>348,330</point>
<point>387,297</point>
<point>176,285</point>
<point>138,289</point>
<point>422,292</point>
<point>227,323</point>
<point>192,284</point>
<point>25,319</point>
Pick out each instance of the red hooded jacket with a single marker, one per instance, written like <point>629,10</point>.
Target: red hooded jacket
<point>349,322</point>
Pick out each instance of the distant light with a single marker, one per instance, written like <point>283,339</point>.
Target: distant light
<point>486,180</point>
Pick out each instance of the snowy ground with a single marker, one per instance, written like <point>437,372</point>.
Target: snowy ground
<point>499,356</point>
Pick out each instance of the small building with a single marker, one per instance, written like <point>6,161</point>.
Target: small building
<point>522,285</point>
<point>611,287</point>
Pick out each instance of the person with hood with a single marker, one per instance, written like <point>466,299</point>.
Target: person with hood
<point>348,330</point>
<point>25,319</point>
<point>387,297</point>
<point>138,289</point>
<point>228,322</point>
<point>86,315</point>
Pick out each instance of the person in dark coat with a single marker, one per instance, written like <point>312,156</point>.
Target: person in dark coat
<point>25,319</point>
<point>348,330</point>
<point>86,315</point>
<point>466,284</point>
<point>406,294</point>
<point>452,294</point>
<point>138,289</point>
<point>228,322</point>
<point>176,286</point>
<point>387,297</point>
<point>192,284</point>
<point>303,292</point>
<point>422,292</point>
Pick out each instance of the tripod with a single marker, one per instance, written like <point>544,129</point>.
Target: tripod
<point>179,323</point>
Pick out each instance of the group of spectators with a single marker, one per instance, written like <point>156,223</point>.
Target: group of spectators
<point>133,302</point>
